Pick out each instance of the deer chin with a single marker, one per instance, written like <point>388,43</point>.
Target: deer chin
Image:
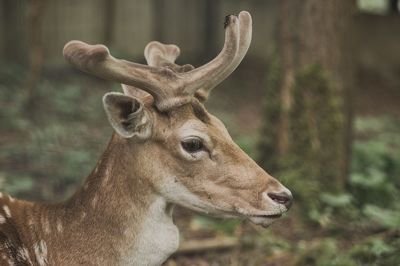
<point>264,220</point>
<point>175,193</point>
<point>263,217</point>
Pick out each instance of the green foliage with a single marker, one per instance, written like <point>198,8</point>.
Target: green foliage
<point>375,177</point>
<point>336,200</point>
<point>386,217</point>
<point>18,184</point>
<point>374,181</point>
<point>52,154</point>
<point>271,243</point>
<point>324,252</point>
<point>369,204</point>
<point>226,226</point>
<point>327,252</point>
<point>374,251</point>
<point>12,100</point>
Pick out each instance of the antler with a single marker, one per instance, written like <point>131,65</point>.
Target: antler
<point>244,44</point>
<point>170,84</point>
<point>164,55</point>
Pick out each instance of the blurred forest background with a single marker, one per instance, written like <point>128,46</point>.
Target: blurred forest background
<point>316,102</point>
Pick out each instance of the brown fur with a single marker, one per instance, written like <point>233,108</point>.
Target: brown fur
<point>88,228</point>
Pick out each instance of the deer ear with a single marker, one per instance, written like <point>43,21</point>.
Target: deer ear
<point>127,115</point>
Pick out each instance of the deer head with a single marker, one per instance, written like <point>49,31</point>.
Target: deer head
<point>185,153</point>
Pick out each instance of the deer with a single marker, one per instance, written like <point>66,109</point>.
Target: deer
<point>166,150</point>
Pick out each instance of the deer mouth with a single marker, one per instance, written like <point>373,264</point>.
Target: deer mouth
<point>264,220</point>
<point>273,216</point>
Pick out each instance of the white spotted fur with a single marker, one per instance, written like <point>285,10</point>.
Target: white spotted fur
<point>7,211</point>
<point>40,249</point>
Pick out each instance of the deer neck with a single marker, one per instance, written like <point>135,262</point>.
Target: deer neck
<point>119,199</point>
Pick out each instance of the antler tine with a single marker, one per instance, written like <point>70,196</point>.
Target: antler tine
<point>205,78</point>
<point>200,76</point>
<point>97,60</point>
<point>245,24</point>
<point>158,54</point>
<point>164,55</point>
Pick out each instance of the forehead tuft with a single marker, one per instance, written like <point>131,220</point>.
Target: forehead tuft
<point>187,111</point>
<point>200,111</point>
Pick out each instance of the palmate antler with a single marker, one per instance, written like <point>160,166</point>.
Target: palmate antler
<point>170,85</point>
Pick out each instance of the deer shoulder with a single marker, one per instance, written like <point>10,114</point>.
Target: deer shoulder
<point>15,247</point>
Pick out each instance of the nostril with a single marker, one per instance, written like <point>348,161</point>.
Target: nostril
<point>281,198</point>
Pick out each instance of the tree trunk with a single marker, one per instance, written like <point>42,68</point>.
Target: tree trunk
<point>212,18</point>
<point>13,49</point>
<point>35,14</point>
<point>309,93</point>
<point>159,7</point>
<point>394,6</point>
<point>109,21</point>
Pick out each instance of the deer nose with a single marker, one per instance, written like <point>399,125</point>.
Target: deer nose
<point>284,197</point>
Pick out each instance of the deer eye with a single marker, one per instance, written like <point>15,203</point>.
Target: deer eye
<point>192,145</point>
